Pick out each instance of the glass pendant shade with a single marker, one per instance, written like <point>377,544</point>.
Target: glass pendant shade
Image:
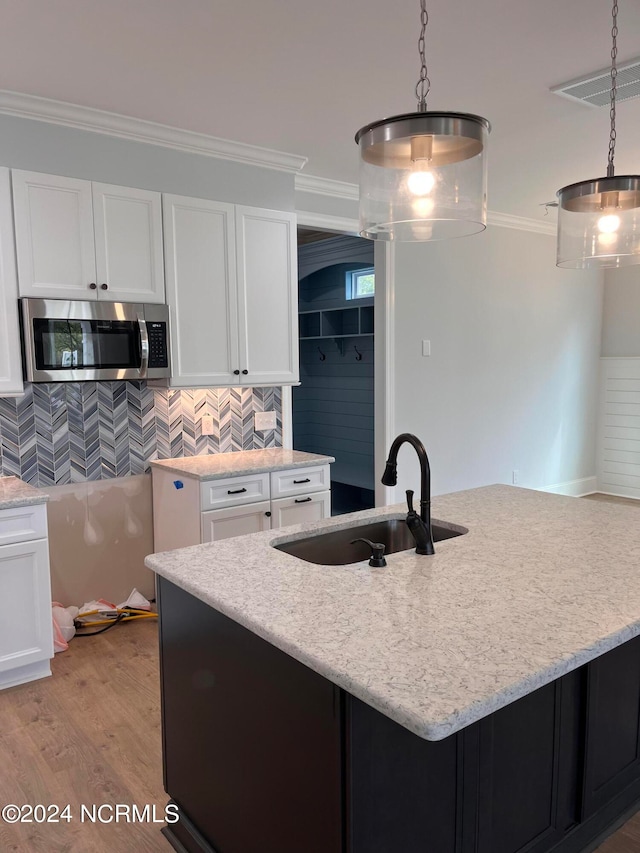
<point>599,223</point>
<point>423,176</point>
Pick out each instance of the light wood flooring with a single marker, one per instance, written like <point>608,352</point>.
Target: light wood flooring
<point>91,734</point>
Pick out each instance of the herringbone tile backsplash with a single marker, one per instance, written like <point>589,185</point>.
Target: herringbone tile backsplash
<point>71,432</point>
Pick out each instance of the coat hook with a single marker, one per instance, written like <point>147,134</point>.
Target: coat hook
<point>322,355</point>
<point>358,354</point>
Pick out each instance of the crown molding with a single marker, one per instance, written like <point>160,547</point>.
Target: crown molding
<point>326,222</point>
<point>351,226</point>
<point>326,186</point>
<point>141,130</point>
<point>341,189</point>
<point>521,223</point>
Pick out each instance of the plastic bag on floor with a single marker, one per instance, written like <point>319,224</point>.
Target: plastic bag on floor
<point>136,601</point>
<point>63,625</point>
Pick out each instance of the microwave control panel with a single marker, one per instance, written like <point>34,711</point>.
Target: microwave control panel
<point>158,355</point>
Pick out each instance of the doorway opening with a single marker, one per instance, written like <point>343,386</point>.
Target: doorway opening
<point>333,407</point>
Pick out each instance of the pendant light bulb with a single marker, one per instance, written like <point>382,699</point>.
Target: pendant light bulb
<point>609,223</point>
<point>599,220</point>
<point>421,182</point>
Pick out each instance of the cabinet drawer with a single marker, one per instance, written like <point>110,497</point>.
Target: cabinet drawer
<point>315,507</point>
<point>22,523</point>
<point>300,481</point>
<point>232,491</point>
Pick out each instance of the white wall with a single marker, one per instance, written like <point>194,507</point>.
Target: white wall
<point>512,379</point>
<point>621,315</point>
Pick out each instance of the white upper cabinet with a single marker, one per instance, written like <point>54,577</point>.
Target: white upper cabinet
<point>78,240</point>
<point>199,239</point>
<point>10,359</point>
<point>54,236</point>
<point>232,291</point>
<point>128,233</point>
<point>267,296</point>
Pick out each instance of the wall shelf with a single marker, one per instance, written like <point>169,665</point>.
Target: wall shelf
<point>352,322</point>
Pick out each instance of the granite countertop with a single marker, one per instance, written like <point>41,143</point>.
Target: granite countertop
<point>215,466</point>
<point>540,585</point>
<point>13,492</point>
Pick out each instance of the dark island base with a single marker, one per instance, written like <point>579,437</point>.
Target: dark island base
<point>263,755</point>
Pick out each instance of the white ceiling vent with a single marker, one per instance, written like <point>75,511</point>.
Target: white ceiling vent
<point>595,88</point>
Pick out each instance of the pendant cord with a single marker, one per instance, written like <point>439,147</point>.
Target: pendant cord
<point>424,84</point>
<point>614,74</point>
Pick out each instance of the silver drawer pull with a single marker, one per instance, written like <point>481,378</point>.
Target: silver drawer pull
<point>302,500</point>
<point>235,491</point>
<point>297,482</point>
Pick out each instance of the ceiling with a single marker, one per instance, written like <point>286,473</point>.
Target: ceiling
<point>302,77</point>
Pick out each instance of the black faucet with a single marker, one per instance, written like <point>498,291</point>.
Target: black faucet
<point>420,526</point>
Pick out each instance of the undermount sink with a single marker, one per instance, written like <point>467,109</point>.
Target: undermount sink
<point>334,548</point>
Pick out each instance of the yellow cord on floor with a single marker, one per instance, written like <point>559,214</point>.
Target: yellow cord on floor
<point>126,615</point>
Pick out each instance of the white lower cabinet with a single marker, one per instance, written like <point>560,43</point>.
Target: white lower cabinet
<point>297,510</point>
<point>188,512</point>
<point>26,634</point>
<point>235,521</point>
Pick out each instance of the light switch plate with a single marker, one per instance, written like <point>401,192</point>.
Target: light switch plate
<point>426,347</point>
<point>206,422</point>
<point>264,420</point>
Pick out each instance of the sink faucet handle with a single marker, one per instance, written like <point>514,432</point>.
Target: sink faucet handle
<point>410,500</point>
<point>376,560</point>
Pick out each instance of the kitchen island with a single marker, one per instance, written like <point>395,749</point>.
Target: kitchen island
<point>483,699</point>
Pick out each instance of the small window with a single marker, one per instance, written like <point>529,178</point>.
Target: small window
<point>361,283</point>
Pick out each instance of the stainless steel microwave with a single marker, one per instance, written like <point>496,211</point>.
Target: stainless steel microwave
<point>80,341</point>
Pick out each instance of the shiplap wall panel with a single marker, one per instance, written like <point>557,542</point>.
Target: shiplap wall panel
<point>619,427</point>
<point>333,407</point>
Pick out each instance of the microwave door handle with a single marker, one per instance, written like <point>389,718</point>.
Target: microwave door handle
<point>144,347</point>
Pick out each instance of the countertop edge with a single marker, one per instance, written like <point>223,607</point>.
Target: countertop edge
<point>15,493</point>
<point>434,730</point>
<point>174,466</point>
<point>15,503</point>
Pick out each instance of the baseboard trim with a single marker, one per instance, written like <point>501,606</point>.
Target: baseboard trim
<point>604,491</point>
<point>573,488</point>
<point>24,674</point>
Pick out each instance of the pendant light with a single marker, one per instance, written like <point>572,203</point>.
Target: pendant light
<point>423,175</point>
<point>599,220</point>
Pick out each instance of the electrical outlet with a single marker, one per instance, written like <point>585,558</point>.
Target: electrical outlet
<point>206,423</point>
<point>515,477</point>
<point>264,420</point>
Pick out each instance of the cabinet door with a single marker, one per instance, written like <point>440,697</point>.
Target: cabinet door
<point>526,779</point>
<point>10,363</point>
<point>235,521</point>
<point>251,738</point>
<point>613,725</point>
<point>128,235</point>
<point>54,236</point>
<point>267,296</point>
<point>199,238</point>
<point>298,510</point>
<point>26,634</point>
